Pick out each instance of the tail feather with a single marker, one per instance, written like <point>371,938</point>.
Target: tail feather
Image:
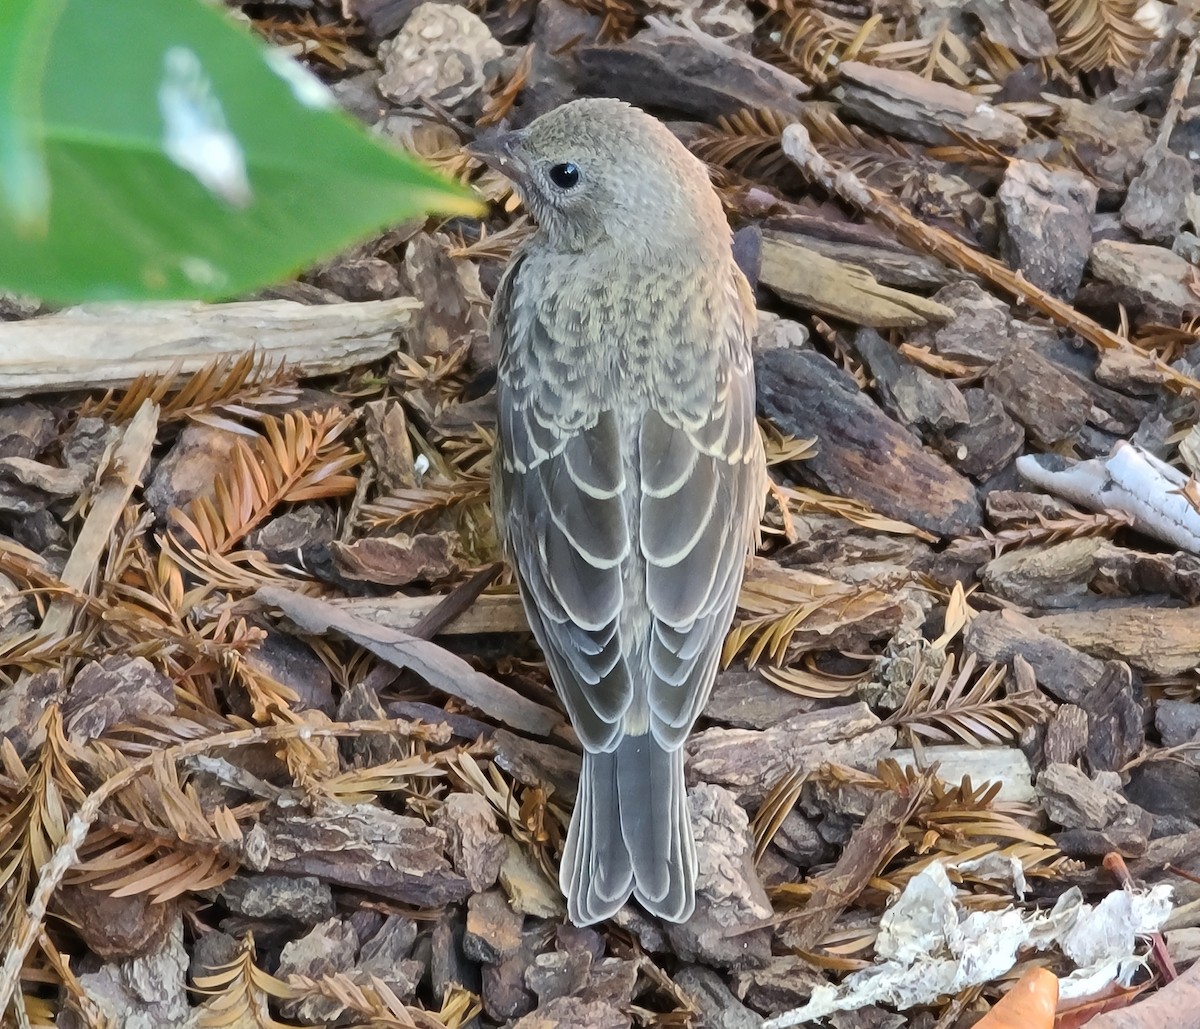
<point>630,835</point>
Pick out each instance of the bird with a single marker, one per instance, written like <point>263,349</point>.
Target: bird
<point>629,475</point>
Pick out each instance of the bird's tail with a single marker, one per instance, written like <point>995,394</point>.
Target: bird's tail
<point>630,835</point>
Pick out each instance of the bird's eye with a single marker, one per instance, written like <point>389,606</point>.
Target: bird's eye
<point>565,175</point>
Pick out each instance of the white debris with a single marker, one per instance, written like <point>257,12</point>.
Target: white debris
<point>928,947</point>
<point>1131,480</point>
<point>195,135</point>
<point>305,86</point>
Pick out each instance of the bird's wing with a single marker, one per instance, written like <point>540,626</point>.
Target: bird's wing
<point>577,537</point>
<point>703,481</point>
<point>559,491</point>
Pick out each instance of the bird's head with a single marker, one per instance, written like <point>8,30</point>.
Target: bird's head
<point>594,172</point>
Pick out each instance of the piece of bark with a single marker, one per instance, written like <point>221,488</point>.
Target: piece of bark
<point>783,983</point>
<point>690,72</point>
<point>113,691</point>
<point>26,430</point>
<point>473,838</point>
<point>449,965</point>
<point>1040,395</point>
<point>1047,217</point>
<point>577,968</point>
<point>988,442</point>
<point>857,555</point>
<point>1177,721</point>
<point>800,842</point>
<point>381,18</point>
<point>559,29</point>
<point>745,700</point>
<point>980,330</point>
<point>525,883</point>
<point>751,762</point>
<point>362,702</point>
<point>191,468</point>
<point>386,955</point>
<point>1148,276</point>
<point>397,560</point>
<point>870,847</point>
<point>366,847</point>
<point>28,486</point>
<point>840,290</point>
<point>559,974</point>
<point>1062,671</point>
<point>574,1013</point>
<point>385,433</point>
<point>358,279</point>
<point>1104,689</point>
<point>122,473</point>
<point>148,990</point>
<point>776,333</point>
<point>904,103</point>
<point>493,932</point>
<point>1170,790</point>
<point>1157,640</point>
<point>505,994</point>
<point>535,763</point>
<point>862,454</point>
<point>1019,25</point>
<point>116,928</point>
<point>1014,509</point>
<point>1073,800</point>
<point>301,535</point>
<point>454,310</point>
<point>303,899</point>
<point>890,265</point>
<point>1107,142</point>
<point>327,949</point>
<point>107,346</point>
<point>1126,369</point>
<point>1128,835</point>
<point>1066,735</point>
<point>1057,575</point>
<point>440,53</point>
<point>440,668</point>
<point>22,705</point>
<point>930,406</point>
<point>1116,719</point>
<point>842,614</point>
<point>716,1004</point>
<point>1007,766</point>
<point>491,613</point>
<point>1156,204</point>
<point>726,929</point>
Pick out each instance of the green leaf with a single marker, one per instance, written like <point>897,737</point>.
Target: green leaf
<point>153,150</point>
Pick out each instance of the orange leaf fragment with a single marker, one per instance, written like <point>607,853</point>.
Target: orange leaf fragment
<point>1028,1005</point>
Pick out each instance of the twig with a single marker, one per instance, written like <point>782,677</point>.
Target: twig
<point>1183,83</point>
<point>441,669</point>
<point>118,481</point>
<point>67,852</point>
<point>455,603</point>
<point>798,146</point>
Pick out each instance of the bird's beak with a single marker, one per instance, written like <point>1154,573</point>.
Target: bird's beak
<point>498,150</point>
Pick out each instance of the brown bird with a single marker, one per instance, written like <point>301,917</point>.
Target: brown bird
<point>629,474</point>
